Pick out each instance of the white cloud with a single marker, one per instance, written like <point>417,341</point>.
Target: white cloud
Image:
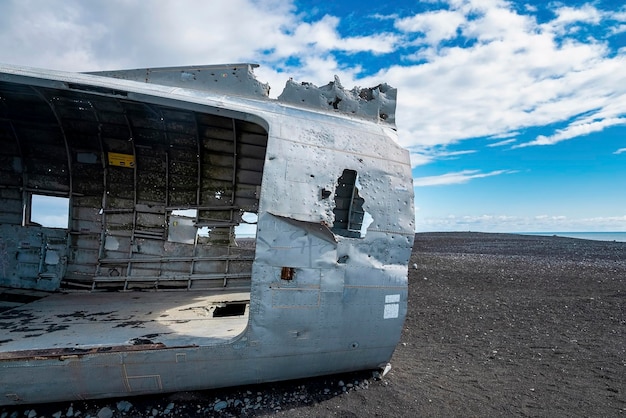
<point>392,16</point>
<point>573,131</point>
<point>76,36</point>
<point>33,32</point>
<point>618,29</point>
<point>552,218</point>
<point>502,143</point>
<point>516,74</point>
<point>573,15</point>
<point>425,155</point>
<point>456,177</point>
<point>619,15</point>
<point>506,223</point>
<point>456,153</point>
<point>418,159</point>
<point>436,26</point>
<point>81,36</point>
<point>504,135</point>
<point>530,8</point>
<point>512,73</point>
<point>322,36</point>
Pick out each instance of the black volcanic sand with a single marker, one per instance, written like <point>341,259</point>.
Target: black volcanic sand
<point>498,325</point>
<point>502,325</point>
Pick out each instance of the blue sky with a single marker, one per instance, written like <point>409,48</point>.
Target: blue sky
<point>514,111</point>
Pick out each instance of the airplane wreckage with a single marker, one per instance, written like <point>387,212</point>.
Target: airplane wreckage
<point>122,195</point>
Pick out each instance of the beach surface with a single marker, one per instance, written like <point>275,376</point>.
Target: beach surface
<point>497,325</point>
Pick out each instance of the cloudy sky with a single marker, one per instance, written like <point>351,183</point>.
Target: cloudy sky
<point>514,111</point>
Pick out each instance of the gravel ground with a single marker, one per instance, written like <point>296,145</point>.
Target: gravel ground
<point>498,325</point>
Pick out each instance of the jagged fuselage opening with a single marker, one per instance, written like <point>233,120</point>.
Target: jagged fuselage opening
<point>136,183</point>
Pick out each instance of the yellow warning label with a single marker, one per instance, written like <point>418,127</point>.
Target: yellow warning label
<point>121,160</point>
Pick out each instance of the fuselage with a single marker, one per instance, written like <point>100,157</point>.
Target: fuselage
<point>209,236</point>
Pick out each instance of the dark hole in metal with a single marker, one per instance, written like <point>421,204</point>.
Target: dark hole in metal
<point>349,213</point>
<point>286,273</point>
<point>230,309</point>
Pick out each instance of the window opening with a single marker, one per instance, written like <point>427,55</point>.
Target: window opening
<point>247,228</point>
<point>182,226</point>
<point>351,220</point>
<point>49,211</point>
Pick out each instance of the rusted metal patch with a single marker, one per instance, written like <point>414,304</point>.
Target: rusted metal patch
<point>70,353</point>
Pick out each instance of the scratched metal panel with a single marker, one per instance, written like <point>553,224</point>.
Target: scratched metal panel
<point>145,270</point>
<point>227,79</point>
<point>80,274</point>
<point>10,194</point>
<point>10,178</point>
<point>7,135</point>
<point>11,211</point>
<point>332,280</point>
<point>214,127</point>
<point>38,257</point>
<point>292,244</point>
<point>171,249</point>
<point>120,187</point>
<point>295,298</point>
<point>239,282</point>
<point>239,266</point>
<point>201,368</point>
<point>216,266</point>
<point>85,219</point>
<point>116,246</point>
<point>147,247</point>
<point>87,178</point>
<point>219,170</point>
<point>306,204</point>
<point>119,221</point>
<point>181,230</point>
<point>181,197</point>
<point>82,255</point>
<point>209,250</point>
<point>362,261</point>
<point>175,268</point>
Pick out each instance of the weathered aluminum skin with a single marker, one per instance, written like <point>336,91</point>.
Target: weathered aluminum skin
<point>322,300</point>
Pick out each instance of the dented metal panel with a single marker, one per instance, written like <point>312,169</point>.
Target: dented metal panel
<point>155,288</point>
